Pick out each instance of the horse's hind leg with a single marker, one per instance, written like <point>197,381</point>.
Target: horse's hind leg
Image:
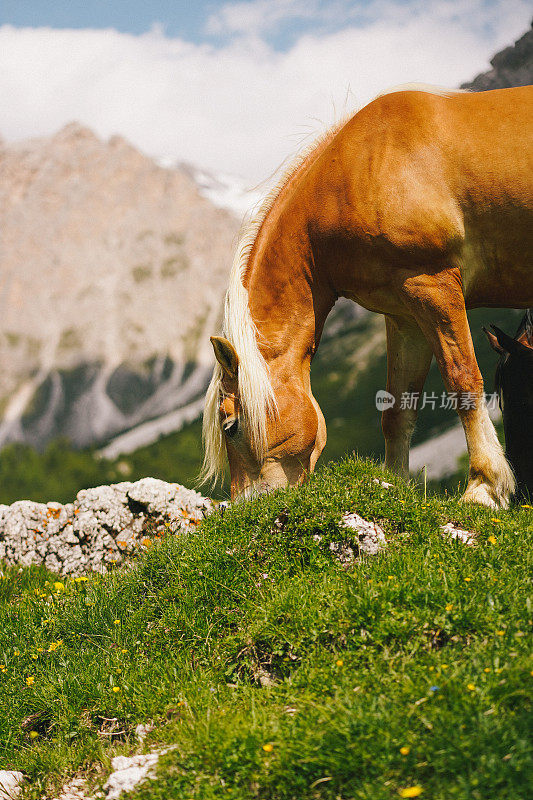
<point>437,303</point>
<point>408,358</point>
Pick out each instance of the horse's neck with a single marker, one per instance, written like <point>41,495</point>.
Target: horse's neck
<point>288,300</point>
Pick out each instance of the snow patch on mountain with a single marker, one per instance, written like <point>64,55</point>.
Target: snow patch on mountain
<point>225,191</point>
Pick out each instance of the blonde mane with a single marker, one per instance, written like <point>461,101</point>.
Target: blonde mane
<point>256,396</point>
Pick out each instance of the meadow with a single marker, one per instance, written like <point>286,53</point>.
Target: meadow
<point>275,672</point>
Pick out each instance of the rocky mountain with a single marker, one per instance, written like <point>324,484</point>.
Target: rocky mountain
<point>512,66</point>
<point>102,255</point>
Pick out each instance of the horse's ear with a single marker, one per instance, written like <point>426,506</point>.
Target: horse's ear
<point>226,355</point>
<point>507,343</point>
<point>493,342</point>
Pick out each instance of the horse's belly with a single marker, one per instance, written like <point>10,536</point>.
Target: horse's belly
<point>497,264</point>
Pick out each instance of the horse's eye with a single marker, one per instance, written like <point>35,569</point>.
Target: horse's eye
<point>231,428</point>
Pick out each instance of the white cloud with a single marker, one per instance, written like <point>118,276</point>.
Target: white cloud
<point>260,16</point>
<point>240,106</point>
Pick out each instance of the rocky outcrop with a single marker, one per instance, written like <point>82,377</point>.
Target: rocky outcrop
<point>103,527</point>
<point>512,66</point>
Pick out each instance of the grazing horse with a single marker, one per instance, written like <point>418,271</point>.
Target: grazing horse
<point>514,384</point>
<point>417,207</point>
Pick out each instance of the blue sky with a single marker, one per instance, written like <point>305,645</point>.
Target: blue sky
<point>185,19</point>
<point>233,86</point>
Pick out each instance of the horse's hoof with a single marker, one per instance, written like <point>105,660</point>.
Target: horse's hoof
<point>483,495</point>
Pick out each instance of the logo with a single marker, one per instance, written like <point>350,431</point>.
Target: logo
<point>384,400</point>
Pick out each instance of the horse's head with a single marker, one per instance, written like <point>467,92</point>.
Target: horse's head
<point>514,383</point>
<point>514,374</point>
<point>270,441</point>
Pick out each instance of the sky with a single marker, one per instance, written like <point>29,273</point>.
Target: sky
<point>235,87</point>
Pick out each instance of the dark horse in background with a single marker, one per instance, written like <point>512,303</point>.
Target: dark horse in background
<point>514,384</point>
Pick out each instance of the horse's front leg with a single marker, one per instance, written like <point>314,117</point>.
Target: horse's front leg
<point>437,302</point>
<point>408,359</point>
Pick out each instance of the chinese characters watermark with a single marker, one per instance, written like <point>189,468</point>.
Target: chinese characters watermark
<point>454,401</point>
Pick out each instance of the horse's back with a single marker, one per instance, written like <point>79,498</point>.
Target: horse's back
<point>444,176</point>
<point>476,148</point>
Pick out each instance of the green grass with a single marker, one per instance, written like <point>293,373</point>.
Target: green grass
<point>423,647</point>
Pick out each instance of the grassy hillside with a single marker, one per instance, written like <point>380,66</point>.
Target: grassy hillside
<point>276,673</point>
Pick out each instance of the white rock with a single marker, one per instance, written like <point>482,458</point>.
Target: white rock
<point>10,784</point>
<point>141,731</point>
<point>129,772</point>
<point>99,529</point>
<point>449,531</point>
<point>168,499</point>
<point>75,789</point>
<point>370,537</point>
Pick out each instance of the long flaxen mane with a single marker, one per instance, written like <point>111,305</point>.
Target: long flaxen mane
<point>256,396</point>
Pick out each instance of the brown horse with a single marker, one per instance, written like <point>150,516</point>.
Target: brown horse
<point>417,207</point>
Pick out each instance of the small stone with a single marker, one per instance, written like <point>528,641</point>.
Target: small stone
<point>450,531</point>
<point>141,731</point>
<point>10,784</point>
<point>370,537</point>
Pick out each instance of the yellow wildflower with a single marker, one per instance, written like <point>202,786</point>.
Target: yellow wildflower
<point>405,751</point>
<point>411,791</point>
<point>33,734</point>
<point>340,662</point>
<point>116,622</point>
<point>468,579</point>
<point>30,680</point>
<point>116,688</point>
<point>492,539</point>
<point>59,587</point>
<point>268,747</point>
<point>471,687</point>
<point>487,669</point>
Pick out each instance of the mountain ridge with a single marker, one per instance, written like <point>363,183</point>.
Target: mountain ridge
<point>102,254</point>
